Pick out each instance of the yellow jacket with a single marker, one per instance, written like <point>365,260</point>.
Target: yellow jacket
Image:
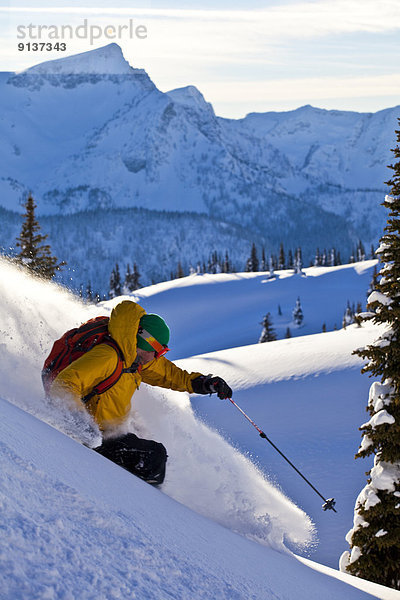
<point>113,406</point>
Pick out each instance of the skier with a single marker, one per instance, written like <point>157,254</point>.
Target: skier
<point>142,339</point>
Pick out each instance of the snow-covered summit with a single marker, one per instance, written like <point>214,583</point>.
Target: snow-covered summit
<point>192,97</point>
<point>107,60</point>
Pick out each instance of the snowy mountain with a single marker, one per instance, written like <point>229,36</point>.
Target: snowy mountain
<point>219,527</point>
<point>89,132</point>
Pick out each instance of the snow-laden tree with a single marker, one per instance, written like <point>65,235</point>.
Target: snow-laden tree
<point>271,269</point>
<point>375,536</point>
<point>268,333</point>
<point>297,314</point>
<point>115,283</point>
<point>132,279</point>
<point>360,252</point>
<point>334,257</point>
<point>35,255</point>
<point>298,261</point>
<point>347,317</point>
<point>374,281</point>
<point>317,258</point>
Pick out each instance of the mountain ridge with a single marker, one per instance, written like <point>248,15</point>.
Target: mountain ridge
<point>90,141</point>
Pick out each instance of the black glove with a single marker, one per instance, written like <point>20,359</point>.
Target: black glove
<point>207,384</point>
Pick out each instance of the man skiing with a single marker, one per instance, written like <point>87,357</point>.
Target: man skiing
<point>139,341</point>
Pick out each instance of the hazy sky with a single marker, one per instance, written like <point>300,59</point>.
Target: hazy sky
<point>243,56</point>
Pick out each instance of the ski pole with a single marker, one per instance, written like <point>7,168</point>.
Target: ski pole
<point>329,503</point>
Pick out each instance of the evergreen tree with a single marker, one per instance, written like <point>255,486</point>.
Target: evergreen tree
<point>298,261</point>
<point>128,280</point>
<point>357,317</point>
<point>252,262</point>
<point>131,283</point>
<point>226,267</point>
<point>136,278</point>
<point>348,316</point>
<point>290,260</point>
<point>288,333</point>
<point>263,266</point>
<point>115,283</point>
<point>360,251</point>
<point>219,265</point>
<point>323,327</point>
<point>268,332</point>
<point>297,314</point>
<point>271,269</point>
<point>375,537</point>
<point>282,259</point>
<point>179,271</point>
<point>214,264</point>
<point>34,254</point>
<point>374,282</point>
<point>332,257</point>
<point>317,259</point>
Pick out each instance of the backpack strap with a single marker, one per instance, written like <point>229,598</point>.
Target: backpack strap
<point>115,376</point>
<point>85,331</point>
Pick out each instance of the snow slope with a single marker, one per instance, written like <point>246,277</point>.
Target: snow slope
<point>69,533</point>
<point>57,511</point>
<point>224,311</point>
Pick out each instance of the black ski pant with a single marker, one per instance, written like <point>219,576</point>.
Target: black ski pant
<point>144,458</point>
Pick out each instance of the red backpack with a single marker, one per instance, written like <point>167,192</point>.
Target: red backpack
<point>76,342</point>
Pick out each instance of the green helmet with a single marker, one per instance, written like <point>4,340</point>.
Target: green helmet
<point>157,327</point>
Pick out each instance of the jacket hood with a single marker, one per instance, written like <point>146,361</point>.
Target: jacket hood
<point>123,327</point>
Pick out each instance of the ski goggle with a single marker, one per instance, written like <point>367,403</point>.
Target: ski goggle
<point>159,349</point>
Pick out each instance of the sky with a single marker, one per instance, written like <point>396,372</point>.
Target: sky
<point>253,56</point>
